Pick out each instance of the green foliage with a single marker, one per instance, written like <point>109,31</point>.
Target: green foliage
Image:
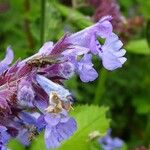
<point>148,32</point>
<point>145,103</point>
<point>74,17</point>
<point>138,47</point>
<point>144,6</point>
<point>89,119</point>
<point>15,145</point>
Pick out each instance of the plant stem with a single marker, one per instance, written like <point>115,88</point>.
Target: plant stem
<point>27,26</point>
<point>100,89</point>
<point>43,3</point>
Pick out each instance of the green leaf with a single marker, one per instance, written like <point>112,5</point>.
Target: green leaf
<point>89,119</point>
<point>138,47</point>
<point>15,145</point>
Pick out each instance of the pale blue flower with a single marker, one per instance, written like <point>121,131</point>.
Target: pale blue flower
<point>59,127</point>
<point>109,143</point>
<point>111,53</point>
<point>4,64</point>
<point>50,86</point>
<point>85,69</point>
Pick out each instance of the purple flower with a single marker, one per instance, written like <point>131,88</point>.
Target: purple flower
<point>4,64</point>
<point>103,28</point>
<point>66,69</point>
<point>109,143</point>
<point>25,93</point>
<point>59,127</point>
<point>85,69</point>
<point>4,137</point>
<point>46,48</point>
<point>50,87</point>
<point>27,127</point>
<point>111,52</point>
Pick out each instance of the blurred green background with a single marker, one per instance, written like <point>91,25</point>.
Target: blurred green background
<point>26,24</point>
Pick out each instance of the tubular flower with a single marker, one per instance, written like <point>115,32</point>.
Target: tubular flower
<point>32,95</point>
<point>4,64</point>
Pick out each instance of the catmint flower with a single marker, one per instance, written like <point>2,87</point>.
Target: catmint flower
<point>50,86</point>
<point>109,143</point>
<point>59,127</point>
<point>4,64</point>
<point>103,28</point>
<point>25,93</point>
<point>4,137</point>
<point>85,69</point>
<point>27,126</point>
<point>46,48</point>
<point>110,52</point>
<point>66,70</point>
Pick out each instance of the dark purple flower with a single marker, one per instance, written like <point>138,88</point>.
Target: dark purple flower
<point>107,7</point>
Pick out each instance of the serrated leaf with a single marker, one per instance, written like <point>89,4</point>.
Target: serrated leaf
<point>89,119</point>
<point>138,47</point>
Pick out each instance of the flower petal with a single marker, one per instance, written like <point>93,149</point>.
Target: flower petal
<point>7,60</point>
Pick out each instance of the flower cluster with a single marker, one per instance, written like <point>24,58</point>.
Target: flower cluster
<point>32,95</point>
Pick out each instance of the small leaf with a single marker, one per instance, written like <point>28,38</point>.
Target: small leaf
<point>138,47</point>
